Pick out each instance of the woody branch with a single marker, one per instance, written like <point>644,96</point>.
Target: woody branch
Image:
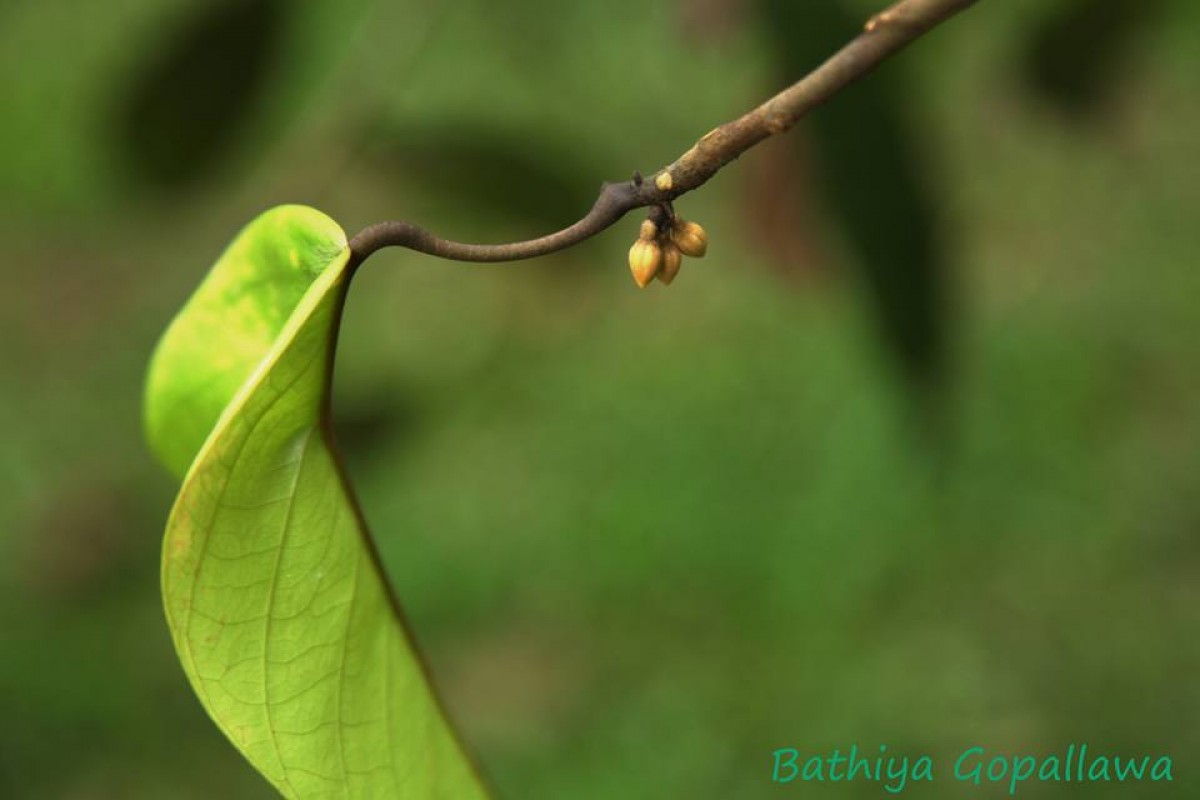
<point>882,36</point>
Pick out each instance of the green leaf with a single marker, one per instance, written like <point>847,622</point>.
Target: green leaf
<point>281,617</point>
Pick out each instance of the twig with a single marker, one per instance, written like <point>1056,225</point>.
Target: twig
<point>883,35</point>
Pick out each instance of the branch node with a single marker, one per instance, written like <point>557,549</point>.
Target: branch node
<point>874,22</point>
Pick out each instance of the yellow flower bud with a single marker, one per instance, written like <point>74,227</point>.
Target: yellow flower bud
<point>645,257</point>
<point>690,238</point>
<point>672,259</point>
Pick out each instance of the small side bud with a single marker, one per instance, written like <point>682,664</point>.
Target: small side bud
<point>649,231</point>
<point>690,238</point>
<point>672,260</point>
<point>664,181</point>
<point>645,258</point>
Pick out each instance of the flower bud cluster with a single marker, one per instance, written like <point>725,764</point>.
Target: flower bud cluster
<point>659,253</point>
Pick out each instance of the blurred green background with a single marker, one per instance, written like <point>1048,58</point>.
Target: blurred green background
<point>912,457</point>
